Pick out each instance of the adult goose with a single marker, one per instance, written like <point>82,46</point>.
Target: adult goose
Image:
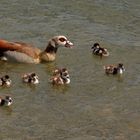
<point>23,52</point>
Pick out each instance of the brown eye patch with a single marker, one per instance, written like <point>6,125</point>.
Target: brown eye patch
<point>62,39</point>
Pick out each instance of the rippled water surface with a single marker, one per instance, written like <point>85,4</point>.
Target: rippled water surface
<point>94,106</point>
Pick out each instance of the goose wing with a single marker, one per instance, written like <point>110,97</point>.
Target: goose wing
<point>19,47</point>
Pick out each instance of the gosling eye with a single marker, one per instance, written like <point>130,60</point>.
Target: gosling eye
<point>10,100</point>
<point>62,39</point>
<point>7,77</point>
<point>65,74</point>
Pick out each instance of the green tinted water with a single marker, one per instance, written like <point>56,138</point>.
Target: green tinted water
<point>94,106</point>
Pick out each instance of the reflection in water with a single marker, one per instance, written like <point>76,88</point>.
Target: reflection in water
<point>31,86</point>
<point>120,78</point>
<point>61,88</point>
<point>49,67</point>
<point>6,110</point>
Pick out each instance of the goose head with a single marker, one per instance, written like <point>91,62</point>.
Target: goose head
<point>61,41</point>
<point>5,80</point>
<point>120,68</point>
<point>8,101</point>
<point>56,42</point>
<point>96,45</point>
<point>49,54</point>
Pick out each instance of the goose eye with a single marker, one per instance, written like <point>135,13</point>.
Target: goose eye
<point>10,100</point>
<point>62,39</point>
<point>6,76</point>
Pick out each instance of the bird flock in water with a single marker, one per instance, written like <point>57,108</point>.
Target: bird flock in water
<point>25,53</point>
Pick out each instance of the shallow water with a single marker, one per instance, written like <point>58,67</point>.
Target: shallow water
<point>94,106</point>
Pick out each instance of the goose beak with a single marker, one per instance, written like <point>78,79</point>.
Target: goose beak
<point>69,44</point>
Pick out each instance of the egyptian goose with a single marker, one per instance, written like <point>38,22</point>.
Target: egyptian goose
<point>114,69</point>
<point>31,78</point>
<point>7,101</point>
<point>60,77</point>
<point>97,50</point>
<point>5,81</point>
<point>22,52</point>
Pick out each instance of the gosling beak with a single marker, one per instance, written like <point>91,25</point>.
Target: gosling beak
<point>69,44</point>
